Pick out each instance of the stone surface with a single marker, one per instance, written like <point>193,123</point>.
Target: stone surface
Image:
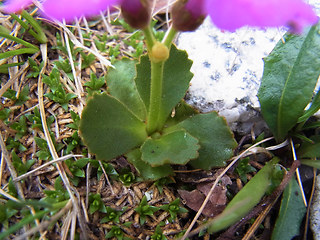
<point>227,71</point>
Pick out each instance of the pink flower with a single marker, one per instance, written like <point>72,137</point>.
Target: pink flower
<point>63,9</point>
<point>16,5</point>
<point>232,14</point>
<point>225,14</point>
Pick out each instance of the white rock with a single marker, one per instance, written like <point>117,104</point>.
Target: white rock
<point>227,70</point>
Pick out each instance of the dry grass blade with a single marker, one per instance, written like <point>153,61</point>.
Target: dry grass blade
<point>13,79</point>
<point>53,152</point>
<point>5,194</point>
<point>258,221</point>
<point>106,176</point>
<point>215,184</point>
<point>298,174</point>
<point>45,165</point>
<point>11,168</point>
<point>47,223</point>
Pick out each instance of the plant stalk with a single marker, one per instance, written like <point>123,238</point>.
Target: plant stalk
<point>155,96</point>
<point>169,37</point>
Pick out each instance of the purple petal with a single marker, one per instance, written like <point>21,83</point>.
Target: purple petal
<point>11,6</point>
<point>69,9</point>
<point>232,14</point>
<point>196,7</point>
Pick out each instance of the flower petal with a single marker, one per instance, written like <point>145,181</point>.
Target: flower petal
<point>11,6</point>
<point>69,9</point>
<point>232,14</point>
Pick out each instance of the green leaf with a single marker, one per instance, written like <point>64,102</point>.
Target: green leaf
<point>215,139</point>
<point>121,85</point>
<point>109,129</point>
<point>315,106</point>
<point>310,150</point>
<point>292,211</point>
<point>176,79</point>
<point>290,76</point>
<point>145,170</point>
<point>311,163</point>
<point>181,112</point>
<point>177,147</point>
<point>249,196</point>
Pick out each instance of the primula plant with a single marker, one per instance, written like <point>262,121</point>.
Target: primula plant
<point>142,114</point>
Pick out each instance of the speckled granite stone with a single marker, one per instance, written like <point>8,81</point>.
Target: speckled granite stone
<point>227,70</point>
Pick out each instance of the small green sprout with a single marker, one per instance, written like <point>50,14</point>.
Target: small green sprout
<point>243,168</point>
<point>4,113</point>
<point>20,166</point>
<point>162,182</point>
<point>87,36</point>
<point>117,233</point>
<point>61,46</point>
<point>76,121</point>
<point>20,127</point>
<point>158,235</point>
<point>96,204</point>
<point>87,60</point>
<point>59,194</point>
<point>174,209</point>
<point>35,68</point>
<point>112,215</point>
<point>121,22</point>
<point>127,177</point>
<point>72,142</point>
<point>15,144</point>
<point>65,66</point>
<point>57,94</point>
<point>21,98</point>
<point>44,153</point>
<point>76,168</point>
<point>35,119</point>
<point>144,210</point>
<point>95,84</point>
<point>108,168</point>
<point>114,52</point>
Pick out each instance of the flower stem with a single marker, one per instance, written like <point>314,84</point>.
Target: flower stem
<point>150,39</point>
<point>169,37</point>
<point>155,96</point>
